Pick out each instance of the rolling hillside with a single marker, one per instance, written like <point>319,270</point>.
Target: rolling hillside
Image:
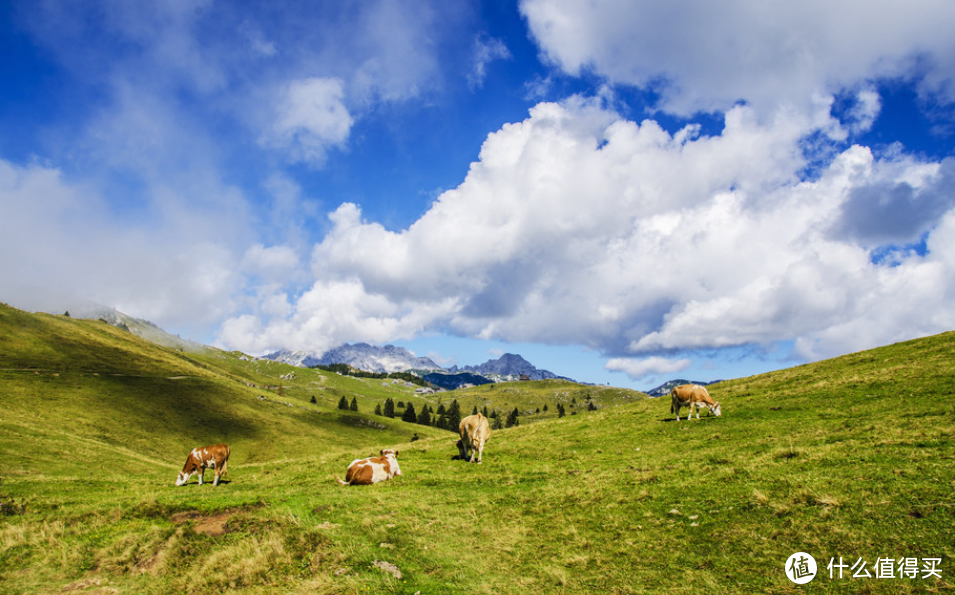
<point>850,458</point>
<point>69,382</point>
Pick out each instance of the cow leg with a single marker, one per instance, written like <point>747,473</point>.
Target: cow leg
<point>202,473</point>
<point>215,475</point>
<point>677,407</point>
<point>480,452</point>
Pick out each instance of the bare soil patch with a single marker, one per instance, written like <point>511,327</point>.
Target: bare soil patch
<point>213,524</point>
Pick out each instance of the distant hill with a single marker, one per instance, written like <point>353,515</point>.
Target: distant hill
<point>453,381</point>
<point>666,387</point>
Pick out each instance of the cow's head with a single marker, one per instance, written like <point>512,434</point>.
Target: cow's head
<point>715,409</point>
<point>388,452</point>
<point>183,478</point>
<point>462,451</point>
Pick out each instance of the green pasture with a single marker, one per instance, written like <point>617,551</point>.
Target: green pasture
<point>851,458</point>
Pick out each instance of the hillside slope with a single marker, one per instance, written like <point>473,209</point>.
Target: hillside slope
<point>850,458</point>
<point>97,393</point>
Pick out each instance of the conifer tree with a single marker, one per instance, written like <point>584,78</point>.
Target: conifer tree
<point>378,409</point>
<point>354,404</point>
<point>389,408</point>
<point>454,416</point>
<point>409,415</point>
<point>343,403</point>
<point>512,419</point>
<point>424,418</point>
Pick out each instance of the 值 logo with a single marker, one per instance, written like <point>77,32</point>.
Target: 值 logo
<point>800,568</point>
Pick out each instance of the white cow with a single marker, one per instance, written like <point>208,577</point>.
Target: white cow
<point>373,469</point>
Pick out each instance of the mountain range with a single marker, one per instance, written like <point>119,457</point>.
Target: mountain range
<point>362,356</point>
<point>390,358</point>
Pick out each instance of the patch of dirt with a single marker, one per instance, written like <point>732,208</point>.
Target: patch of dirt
<point>214,524</point>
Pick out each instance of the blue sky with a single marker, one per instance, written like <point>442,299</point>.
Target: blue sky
<point>623,192</point>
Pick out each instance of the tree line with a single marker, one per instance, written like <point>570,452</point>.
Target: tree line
<point>446,418</point>
<point>346,370</point>
<point>449,418</point>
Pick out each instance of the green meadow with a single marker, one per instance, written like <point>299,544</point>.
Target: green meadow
<point>851,458</point>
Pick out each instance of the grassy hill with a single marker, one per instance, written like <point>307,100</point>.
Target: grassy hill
<point>850,458</point>
<point>101,394</point>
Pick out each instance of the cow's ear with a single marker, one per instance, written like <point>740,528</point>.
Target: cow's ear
<point>381,453</point>
<point>396,454</point>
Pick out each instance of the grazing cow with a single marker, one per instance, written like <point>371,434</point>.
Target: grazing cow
<point>372,470</point>
<point>475,431</point>
<point>216,456</point>
<point>692,395</point>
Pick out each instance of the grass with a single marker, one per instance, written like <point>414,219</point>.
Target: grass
<point>848,458</point>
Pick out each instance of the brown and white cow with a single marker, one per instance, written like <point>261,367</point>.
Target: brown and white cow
<point>373,469</point>
<point>215,456</point>
<point>475,431</point>
<point>692,395</point>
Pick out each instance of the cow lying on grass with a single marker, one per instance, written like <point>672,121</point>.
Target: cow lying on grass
<point>692,395</point>
<point>372,470</point>
<point>475,431</point>
<point>215,456</point>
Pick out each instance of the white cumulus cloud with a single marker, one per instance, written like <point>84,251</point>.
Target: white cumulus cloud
<point>707,56</point>
<point>578,226</point>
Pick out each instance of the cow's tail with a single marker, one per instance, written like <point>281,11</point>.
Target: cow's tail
<point>341,482</point>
